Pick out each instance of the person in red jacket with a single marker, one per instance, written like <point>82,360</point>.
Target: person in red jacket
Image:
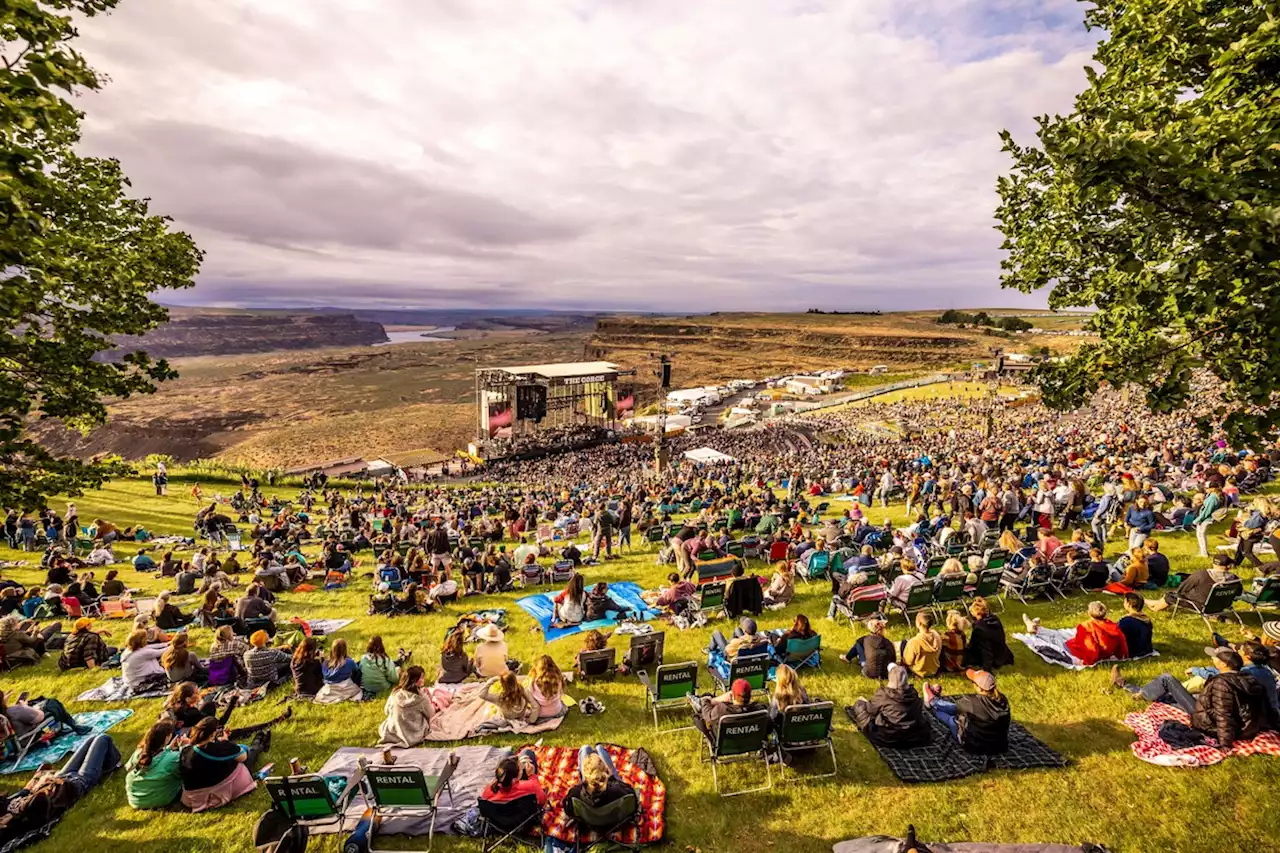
<point>1096,639</point>
<point>515,777</point>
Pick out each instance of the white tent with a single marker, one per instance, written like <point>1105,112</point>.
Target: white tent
<point>706,454</point>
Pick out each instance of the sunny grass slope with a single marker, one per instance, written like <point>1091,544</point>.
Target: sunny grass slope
<point>1106,795</point>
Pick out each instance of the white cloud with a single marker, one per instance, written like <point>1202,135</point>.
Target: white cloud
<point>718,154</point>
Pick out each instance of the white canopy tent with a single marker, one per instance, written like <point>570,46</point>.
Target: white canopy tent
<point>706,454</point>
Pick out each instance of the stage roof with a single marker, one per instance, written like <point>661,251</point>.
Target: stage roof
<point>567,370</point>
<point>706,454</point>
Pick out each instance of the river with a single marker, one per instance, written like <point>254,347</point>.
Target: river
<point>416,336</point>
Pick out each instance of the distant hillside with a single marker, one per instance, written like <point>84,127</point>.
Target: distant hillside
<point>193,333</point>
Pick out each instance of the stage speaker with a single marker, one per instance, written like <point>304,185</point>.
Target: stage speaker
<point>666,375</point>
<point>531,402</point>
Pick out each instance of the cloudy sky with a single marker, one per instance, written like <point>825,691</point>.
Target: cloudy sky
<point>638,154</point>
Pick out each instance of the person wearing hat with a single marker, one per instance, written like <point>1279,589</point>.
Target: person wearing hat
<point>978,721</point>
<point>747,639</point>
<point>1197,586</point>
<point>875,653</point>
<point>1232,706</point>
<point>708,710</point>
<point>491,654</point>
<point>894,715</point>
<point>264,665</point>
<point>84,648</point>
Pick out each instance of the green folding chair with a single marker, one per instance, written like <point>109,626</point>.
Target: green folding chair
<point>739,738</point>
<point>672,685</point>
<point>711,596</point>
<point>393,790</point>
<point>948,590</point>
<point>307,799</point>
<point>988,586</point>
<point>934,566</point>
<point>1220,602</point>
<point>601,823</point>
<point>1266,593</point>
<point>919,597</point>
<point>754,669</point>
<point>807,728</point>
<point>857,610</point>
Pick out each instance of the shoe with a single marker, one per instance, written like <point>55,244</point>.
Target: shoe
<point>930,693</point>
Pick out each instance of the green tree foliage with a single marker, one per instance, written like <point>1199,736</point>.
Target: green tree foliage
<point>79,259</point>
<point>1157,201</point>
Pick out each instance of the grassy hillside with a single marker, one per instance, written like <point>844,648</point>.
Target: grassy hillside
<point>1106,795</point>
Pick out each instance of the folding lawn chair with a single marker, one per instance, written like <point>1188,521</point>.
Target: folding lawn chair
<point>779,551</point>
<point>948,590</point>
<point>802,653</point>
<point>601,663</point>
<point>997,558</point>
<point>815,567</point>
<point>857,610</point>
<point>754,669</point>
<point>709,572</point>
<point>751,547</point>
<point>739,738</point>
<point>653,536</point>
<point>646,651</point>
<point>561,571</point>
<point>393,790</point>
<point>603,821</point>
<point>307,800</point>
<point>807,728</point>
<point>114,607</point>
<point>531,575</point>
<point>934,565</point>
<point>1027,586</point>
<point>1265,593</point>
<point>391,577</point>
<point>711,596</point>
<point>517,821</point>
<point>1220,602</point>
<point>736,549</point>
<point>988,586</point>
<point>18,745</point>
<point>919,597</point>
<point>670,689</point>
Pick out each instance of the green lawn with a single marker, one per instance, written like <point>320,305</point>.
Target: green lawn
<point>1106,795</point>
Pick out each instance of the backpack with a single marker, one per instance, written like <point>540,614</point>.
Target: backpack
<point>222,672</point>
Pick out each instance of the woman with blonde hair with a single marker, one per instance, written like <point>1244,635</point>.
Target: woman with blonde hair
<point>547,688</point>
<point>955,641</point>
<point>179,663</point>
<point>600,783</point>
<point>514,701</point>
<point>1010,542</point>
<point>787,691</point>
<point>782,587</point>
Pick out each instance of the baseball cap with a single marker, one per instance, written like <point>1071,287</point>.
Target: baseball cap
<point>1221,560</point>
<point>81,624</point>
<point>981,679</point>
<point>742,689</point>
<point>1225,654</point>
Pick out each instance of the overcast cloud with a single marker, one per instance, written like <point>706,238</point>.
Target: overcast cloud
<point>647,154</point>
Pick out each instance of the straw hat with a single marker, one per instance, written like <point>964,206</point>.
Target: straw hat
<point>489,633</point>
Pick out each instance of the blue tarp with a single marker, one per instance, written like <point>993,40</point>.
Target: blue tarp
<point>540,607</point>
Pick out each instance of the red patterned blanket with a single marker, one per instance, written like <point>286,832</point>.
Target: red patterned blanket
<point>558,770</point>
<point>1150,747</point>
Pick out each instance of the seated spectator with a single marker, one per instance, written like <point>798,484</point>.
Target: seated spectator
<point>112,586</point>
<point>443,588</point>
<point>894,715</point>
<point>988,649</point>
<point>546,685</point>
<point>143,562</point>
<point>140,664</point>
<point>409,711</point>
<point>167,615</point>
<point>955,641</point>
<point>455,666</point>
<point>214,770</point>
<point>341,676</point>
<point>513,700</point>
<point>378,672</point>
<point>25,717</point>
<point>902,584</point>
<point>307,671</point>
<point>264,665</point>
<point>153,779</point>
<point>1094,640</point>
<point>922,654</point>
<point>874,652</point>
<point>599,783</point>
<point>782,586</point>
<point>747,640</point>
<point>226,657</point>
<point>491,654</point>
<point>1136,626</point>
<point>1157,564</point>
<point>787,691</point>
<point>23,642</point>
<point>1197,586</point>
<point>252,605</point>
<point>570,606</point>
<point>592,641</point>
<point>84,648</point>
<point>800,630</point>
<point>678,591</point>
<point>1233,706</point>
<point>48,795</point>
<point>179,663</point>
<point>515,777</point>
<point>1099,574</point>
<point>600,604</point>
<point>978,721</point>
<point>708,710</point>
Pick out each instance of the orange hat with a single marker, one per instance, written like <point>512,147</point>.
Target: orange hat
<point>82,623</point>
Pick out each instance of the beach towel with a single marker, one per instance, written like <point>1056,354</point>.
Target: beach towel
<point>462,714</point>
<point>474,771</point>
<point>325,627</point>
<point>944,759</point>
<point>114,690</point>
<point>558,770</point>
<point>65,744</point>
<point>1052,648</point>
<point>541,607</point>
<point>1152,748</point>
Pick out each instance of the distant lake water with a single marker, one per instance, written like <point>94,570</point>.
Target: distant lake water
<point>416,336</point>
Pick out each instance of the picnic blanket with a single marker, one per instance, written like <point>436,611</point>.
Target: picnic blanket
<point>1051,646</point>
<point>541,607</point>
<point>65,744</point>
<point>325,627</point>
<point>884,844</point>
<point>1152,748</point>
<point>944,759</point>
<point>558,770</point>
<point>474,771</point>
<point>462,714</point>
<point>114,690</point>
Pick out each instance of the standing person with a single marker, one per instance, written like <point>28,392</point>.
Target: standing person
<point>625,513</point>
<point>1141,520</point>
<point>1213,501</point>
<point>1102,513</point>
<point>602,526</point>
<point>160,479</point>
